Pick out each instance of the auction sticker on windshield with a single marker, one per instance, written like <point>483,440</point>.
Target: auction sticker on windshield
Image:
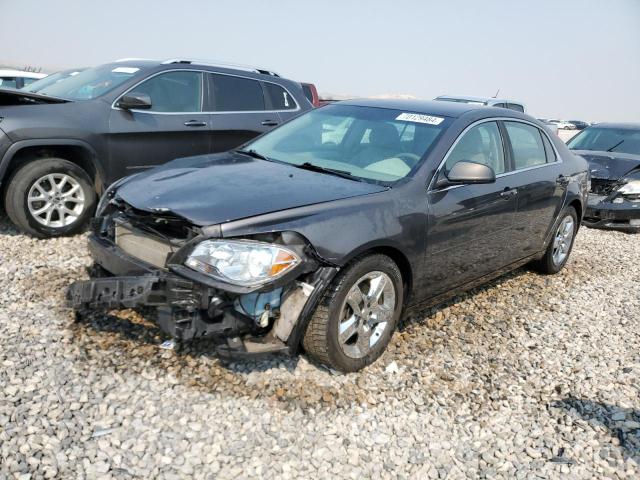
<point>420,118</point>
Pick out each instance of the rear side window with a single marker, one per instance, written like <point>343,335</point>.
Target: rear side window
<point>548,149</point>
<point>501,105</point>
<point>236,94</point>
<point>517,107</point>
<point>174,92</point>
<point>280,98</point>
<point>526,143</point>
<point>481,144</point>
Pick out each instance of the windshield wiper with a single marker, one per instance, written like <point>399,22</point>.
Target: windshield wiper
<point>252,153</point>
<point>616,145</point>
<point>331,171</point>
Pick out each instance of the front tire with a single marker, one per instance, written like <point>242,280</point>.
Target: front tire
<point>559,249</point>
<point>50,197</point>
<point>355,320</point>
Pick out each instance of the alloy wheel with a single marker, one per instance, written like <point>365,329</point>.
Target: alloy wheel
<point>56,200</point>
<point>562,240</point>
<point>367,312</point>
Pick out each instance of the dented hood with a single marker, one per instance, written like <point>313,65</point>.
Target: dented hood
<point>10,97</point>
<point>609,165</point>
<point>213,189</point>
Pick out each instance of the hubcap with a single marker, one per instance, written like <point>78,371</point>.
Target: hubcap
<point>366,314</point>
<point>562,240</point>
<point>56,200</point>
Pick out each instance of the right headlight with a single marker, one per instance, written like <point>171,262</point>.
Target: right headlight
<point>630,188</point>
<point>242,262</point>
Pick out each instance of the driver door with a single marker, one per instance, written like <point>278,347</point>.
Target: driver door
<point>471,226</point>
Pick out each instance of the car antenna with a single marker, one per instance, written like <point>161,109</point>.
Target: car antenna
<point>496,95</point>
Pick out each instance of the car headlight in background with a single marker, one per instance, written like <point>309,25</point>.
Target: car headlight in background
<point>242,262</point>
<point>631,190</point>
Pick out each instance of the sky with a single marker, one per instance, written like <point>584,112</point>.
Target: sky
<point>569,59</point>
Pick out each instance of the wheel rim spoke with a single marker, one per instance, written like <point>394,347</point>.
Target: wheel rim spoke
<point>377,287</point>
<point>348,328</point>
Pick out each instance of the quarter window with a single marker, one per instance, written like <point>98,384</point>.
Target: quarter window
<point>174,92</point>
<point>481,144</point>
<point>236,94</point>
<point>551,154</point>
<point>526,143</point>
<point>517,107</point>
<point>280,98</point>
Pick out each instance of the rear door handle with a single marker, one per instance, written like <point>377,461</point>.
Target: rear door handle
<point>269,123</point>
<point>195,123</point>
<point>508,193</point>
<point>562,180</point>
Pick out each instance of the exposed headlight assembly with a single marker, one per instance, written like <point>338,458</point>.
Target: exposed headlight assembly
<point>242,262</point>
<point>630,188</point>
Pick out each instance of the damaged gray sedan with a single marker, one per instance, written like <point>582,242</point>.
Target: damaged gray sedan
<point>322,233</point>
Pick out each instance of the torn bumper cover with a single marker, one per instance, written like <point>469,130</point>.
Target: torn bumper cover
<point>189,305</point>
<point>615,213</point>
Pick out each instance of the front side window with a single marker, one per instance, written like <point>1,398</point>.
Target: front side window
<point>481,144</point>
<point>377,144</point>
<point>173,92</point>
<point>526,143</point>
<point>280,98</point>
<point>607,139</point>
<point>236,94</point>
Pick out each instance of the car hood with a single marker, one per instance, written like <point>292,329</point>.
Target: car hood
<point>609,165</point>
<point>213,189</point>
<point>18,97</point>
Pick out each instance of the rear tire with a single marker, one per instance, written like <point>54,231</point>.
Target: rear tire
<point>559,249</point>
<point>357,316</point>
<point>50,197</point>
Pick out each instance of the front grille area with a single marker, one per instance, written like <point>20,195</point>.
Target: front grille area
<point>142,247</point>
<point>601,186</point>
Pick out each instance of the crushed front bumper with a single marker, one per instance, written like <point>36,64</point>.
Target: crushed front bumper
<point>604,214</point>
<point>187,309</point>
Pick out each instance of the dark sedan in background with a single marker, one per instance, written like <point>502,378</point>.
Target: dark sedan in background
<point>324,231</point>
<point>613,153</point>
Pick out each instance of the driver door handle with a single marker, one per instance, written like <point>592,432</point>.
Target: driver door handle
<point>195,123</point>
<point>269,123</point>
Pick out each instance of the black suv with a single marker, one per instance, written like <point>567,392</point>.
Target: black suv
<point>61,147</point>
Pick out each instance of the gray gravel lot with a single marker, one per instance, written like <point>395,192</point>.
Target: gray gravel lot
<point>529,377</point>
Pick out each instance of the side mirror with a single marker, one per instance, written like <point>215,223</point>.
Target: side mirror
<point>134,101</point>
<point>465,172</point>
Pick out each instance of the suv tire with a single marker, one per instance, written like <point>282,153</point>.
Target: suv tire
<point>346,332</point>
<point>68,199</point>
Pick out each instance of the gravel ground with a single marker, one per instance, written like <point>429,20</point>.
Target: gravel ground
<point>529,377</point>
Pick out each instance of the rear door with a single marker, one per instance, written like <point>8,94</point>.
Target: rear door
<point>541,186</point>
<point>242,109</point>
<point>175,126</point>
<point>470,226</point>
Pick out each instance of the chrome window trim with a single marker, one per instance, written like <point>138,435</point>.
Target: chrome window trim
<point>500,175</point>
<point>113,104</point>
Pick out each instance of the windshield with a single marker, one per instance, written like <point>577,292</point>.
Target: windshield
<point>50,80</point>
<point>369,143</point>
<point>603,139</point>
<point>91,83</point>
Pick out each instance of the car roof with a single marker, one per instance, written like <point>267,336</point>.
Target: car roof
<point>430,107</point>
<point>620,125</point>
<point>21,73</point>
<point>470,98</point>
